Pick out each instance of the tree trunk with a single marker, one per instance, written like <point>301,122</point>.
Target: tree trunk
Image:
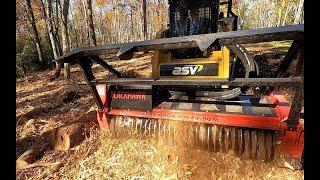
<point>298,14</point>
<point>47,14</point>
<point>118,26</point>
<point>21,67</point>
<point>280,12</point>
<point>114,39</point>
<point>53,41</point>
<point>65,39</point>
<point>44,12</point>
<point>56,25</point>
<point>75,31</point>
<point>131,19</point>
<point>144,8</point>
<point>57,15</point>
<point>90,22</point>
<point>100,28</point>
<point>285,15</point>
<point>51,50</point>
<point>35,33</point>
<point>87,23</point>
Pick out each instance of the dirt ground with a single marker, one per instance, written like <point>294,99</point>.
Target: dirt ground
<point>43,105</point>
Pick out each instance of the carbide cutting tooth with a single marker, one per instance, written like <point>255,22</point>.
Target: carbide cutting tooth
<point>119,123</point>
<point>177,139</point>
<point>137,123</point>
<point>193,130</point>
<point>141,126</point>
<point>202,135</point>
<point>269,146</point>
<point>234,144</point>
<point>247,149</point>
<point>193,135</point>
<point>112,125</point>
<point>254,139</point>
<point>220,140</point>
<point>122,122</point>
<point>209,144</point>
<point>174,135</point>
<point>261,153</point>
<point>198,136</point>
<point>164,131</point>
<point>145,127</point>
<point>227,139</point>
<point>159,130</point>
<point>132,125</point>
<point>189,136</point>
<point>215,138</point>
<point>154,127</point>
<point>168,134</point>
<point>240,141</point>
<point>196,141</point>
<point>149,128</point>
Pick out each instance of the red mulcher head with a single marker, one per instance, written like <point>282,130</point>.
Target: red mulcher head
<point>270,113</point>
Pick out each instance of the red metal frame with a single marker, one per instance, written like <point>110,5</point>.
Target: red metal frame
<point>292,141</point>
<point>205,117</point>
<point>101,115</point>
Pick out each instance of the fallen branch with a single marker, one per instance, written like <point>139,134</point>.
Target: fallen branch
<point>40,164</point>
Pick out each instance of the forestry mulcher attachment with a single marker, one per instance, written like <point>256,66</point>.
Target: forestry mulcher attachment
<point>201,76</point>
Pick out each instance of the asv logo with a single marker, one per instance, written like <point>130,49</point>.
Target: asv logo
<point>187,70</point>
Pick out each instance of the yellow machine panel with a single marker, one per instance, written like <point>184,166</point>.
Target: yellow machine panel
<point>215,66</point>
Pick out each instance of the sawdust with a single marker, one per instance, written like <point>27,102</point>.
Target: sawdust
<point>41,108</point>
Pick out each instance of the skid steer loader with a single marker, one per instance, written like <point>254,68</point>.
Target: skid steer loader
<point>200,76</point>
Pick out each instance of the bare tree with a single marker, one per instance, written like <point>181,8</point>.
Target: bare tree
<point>75,30</point>
<point>86,18</point>
<point>280,12</point>
<point>64,35</point>
<point>35,33</point>
<point>144,9</point>
<point>47,11</point>
<point>286,14</point>
<point>298,14</point>
<point>43,9</point>
<point>90,22</point>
